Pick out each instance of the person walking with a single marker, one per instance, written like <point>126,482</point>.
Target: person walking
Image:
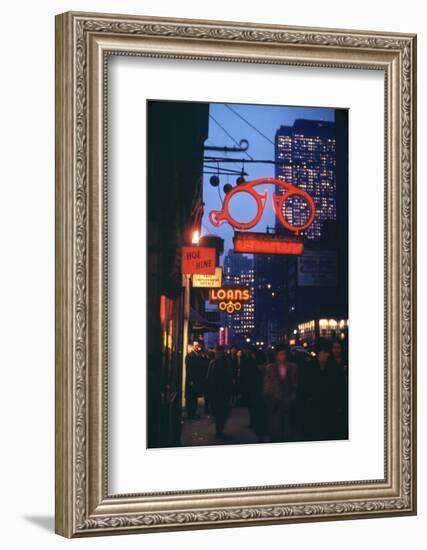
<point>219,383</point>
<point>280,389</point>
<point>325,390</point>
<point>340,378</point>
<point>247,366</point>
<point>257,402</point>
<point>252,384</point>
<point>208,356</point>
<point>194,376</point>
<point>235,369</point>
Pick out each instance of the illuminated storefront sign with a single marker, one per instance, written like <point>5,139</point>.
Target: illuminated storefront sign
<point>328,328</point>
<point>198,260</point>
<point>208,281</point>
<point>229,299</point>
<point>333,328</point>
<point>218,216</point>
<point>265,243</point>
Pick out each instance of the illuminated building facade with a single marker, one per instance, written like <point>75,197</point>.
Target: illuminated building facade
<point>263,268</point>
<point>307,332</point>
<point>313,155</point>
<point>306,157</point>
<point>270,299</point>
<point>239,270</point>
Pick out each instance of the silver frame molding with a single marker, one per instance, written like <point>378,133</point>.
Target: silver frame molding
<point>83,43</point>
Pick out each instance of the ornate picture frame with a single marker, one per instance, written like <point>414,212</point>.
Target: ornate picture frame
<point>83,44</point>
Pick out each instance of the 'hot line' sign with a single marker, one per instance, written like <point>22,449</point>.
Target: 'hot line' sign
<point>198,259</point>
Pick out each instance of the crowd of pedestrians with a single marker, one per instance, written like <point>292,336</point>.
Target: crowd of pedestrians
<point>290,396</point>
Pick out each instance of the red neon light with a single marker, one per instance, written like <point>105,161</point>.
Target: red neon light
<point>233,293</point>
<point>229,298</point>
<point>162,307</point>
<point>262,243</point>
<point>217,217</point>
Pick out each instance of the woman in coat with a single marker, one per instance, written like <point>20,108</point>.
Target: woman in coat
<point>219,384</point>
<point>280,390</point>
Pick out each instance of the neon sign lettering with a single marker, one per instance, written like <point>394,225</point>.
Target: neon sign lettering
<point>218,216</point>
<point>264,243</point>
<point>229,299</point>
<point>233,293</point>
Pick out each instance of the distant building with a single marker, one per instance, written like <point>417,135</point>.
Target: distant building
<point>312,283</point>
<point>239,270</point>
<point>270,296</point>
<point>305,155</point>
<point>313,155</point>
<point>263,271</point>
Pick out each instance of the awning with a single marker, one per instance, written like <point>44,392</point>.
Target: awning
<point>200,324</point>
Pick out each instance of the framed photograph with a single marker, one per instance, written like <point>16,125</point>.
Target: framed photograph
<point>235,274</point>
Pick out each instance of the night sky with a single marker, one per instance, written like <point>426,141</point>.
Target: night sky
<point>267,119</point>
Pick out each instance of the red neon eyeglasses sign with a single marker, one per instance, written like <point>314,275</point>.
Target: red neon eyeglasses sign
<point>218,216</point>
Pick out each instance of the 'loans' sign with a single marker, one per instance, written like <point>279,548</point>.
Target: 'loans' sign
<point>229,299</point>
<point>198,259</point>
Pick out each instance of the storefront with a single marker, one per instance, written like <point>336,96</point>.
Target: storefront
<point>308,331</point>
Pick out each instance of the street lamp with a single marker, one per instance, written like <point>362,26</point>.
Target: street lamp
<point>196,237</point>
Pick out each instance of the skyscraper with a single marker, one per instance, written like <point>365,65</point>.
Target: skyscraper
<point>268,293</point>
<point>313,156</point>
<point>239,270</point>
<point>305,155</point>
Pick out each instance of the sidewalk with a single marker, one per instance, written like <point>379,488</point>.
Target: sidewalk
<point>202,431</point>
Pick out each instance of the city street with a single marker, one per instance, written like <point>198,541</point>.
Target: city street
<point>202,431</point>
<point>247,267</point>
